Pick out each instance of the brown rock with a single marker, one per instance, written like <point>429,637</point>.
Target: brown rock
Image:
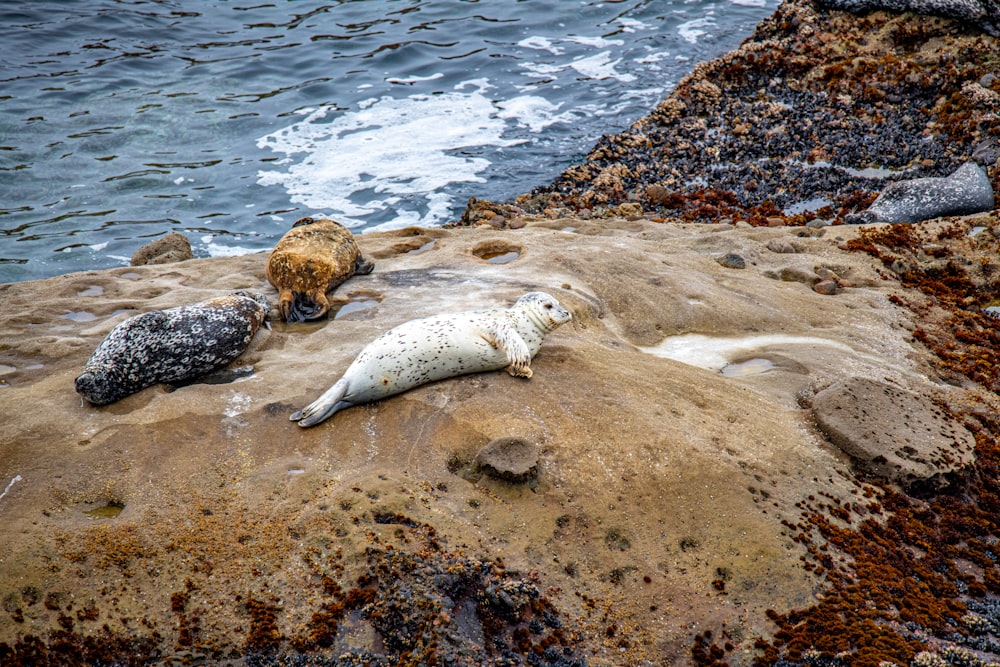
<point>173,247</point>
<point>509,459</point>
<point>780,245</point>
<point>901,436</point>
<point>827,287</point>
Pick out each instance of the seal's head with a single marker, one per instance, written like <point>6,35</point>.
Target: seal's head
<point>543,310</point>
<point>261,300</point>
<point>100,385</point>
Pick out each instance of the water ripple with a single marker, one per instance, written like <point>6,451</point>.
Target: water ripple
<point>120,121</point>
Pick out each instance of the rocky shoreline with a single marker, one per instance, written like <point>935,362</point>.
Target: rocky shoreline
<point>768,440</point>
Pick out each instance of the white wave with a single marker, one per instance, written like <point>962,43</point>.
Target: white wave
<point>631,25</point>
<point>363,162</point>
<point>653,57</point>
<point>691,30</point>
<point>596,42</point>
<point>218,250</point>
<point>535,113</point>
<point>415,79</point>
<point>540,43</point>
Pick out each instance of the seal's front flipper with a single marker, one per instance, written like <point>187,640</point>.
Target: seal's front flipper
<point>504,336</point>
<point>362,266</point>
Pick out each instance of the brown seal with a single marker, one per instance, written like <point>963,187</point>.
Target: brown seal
<point>314,256</point>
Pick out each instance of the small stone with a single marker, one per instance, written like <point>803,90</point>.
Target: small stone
<point>658,194</point>
<point>826,287</point>
<point>509,459</point>
<point>732,261</point>
<point>775,221</point>
<point>780,246</point>
<point>826,274</point>
<point>629,210</point>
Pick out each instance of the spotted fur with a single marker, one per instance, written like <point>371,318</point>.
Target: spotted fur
<point>967,190</point>
<point>443,346</point>
<point>173,345</point>
<point>311,259</point>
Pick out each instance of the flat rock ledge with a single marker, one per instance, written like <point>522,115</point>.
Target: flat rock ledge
<point>672,421</point>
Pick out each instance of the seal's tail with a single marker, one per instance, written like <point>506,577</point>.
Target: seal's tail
<point>323,407</point>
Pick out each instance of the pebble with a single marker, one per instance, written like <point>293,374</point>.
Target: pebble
<point>781,246</point>
<point>826,287</point>
<point>732,261</point>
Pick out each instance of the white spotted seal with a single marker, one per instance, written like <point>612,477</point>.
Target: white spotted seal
<point>439,347</point>
<point>172,345</point>
<point>312,258</point>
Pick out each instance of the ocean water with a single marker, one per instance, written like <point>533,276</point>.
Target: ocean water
<point>228,120</point>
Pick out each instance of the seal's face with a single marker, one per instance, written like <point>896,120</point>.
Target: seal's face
<point>544,310</point>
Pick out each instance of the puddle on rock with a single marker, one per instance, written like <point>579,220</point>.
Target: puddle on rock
<point>496,252</point>
<point>424,248</point>
<point>109,511</point>
<point>714,353</point>
<point>502,258</point>
<point>80,316</point>
<point>807,205</point>
<point>93,290</point>
<point>357,303</point>
<point>354,307</point>
<point>5,369</point>
<point>755,366</point>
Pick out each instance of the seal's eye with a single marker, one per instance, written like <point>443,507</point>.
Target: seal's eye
<point>549,306</point>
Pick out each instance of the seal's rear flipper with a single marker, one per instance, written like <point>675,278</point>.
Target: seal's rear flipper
<point>323,407</point>
<point>304,308</point>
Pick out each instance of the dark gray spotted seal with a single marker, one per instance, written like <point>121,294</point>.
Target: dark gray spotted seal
<point>967,190</point>
<point>173,345</point>
<point>439,347</point>
<point>985,14</point>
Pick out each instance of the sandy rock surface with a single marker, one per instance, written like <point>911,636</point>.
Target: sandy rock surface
<point>672,420</point>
